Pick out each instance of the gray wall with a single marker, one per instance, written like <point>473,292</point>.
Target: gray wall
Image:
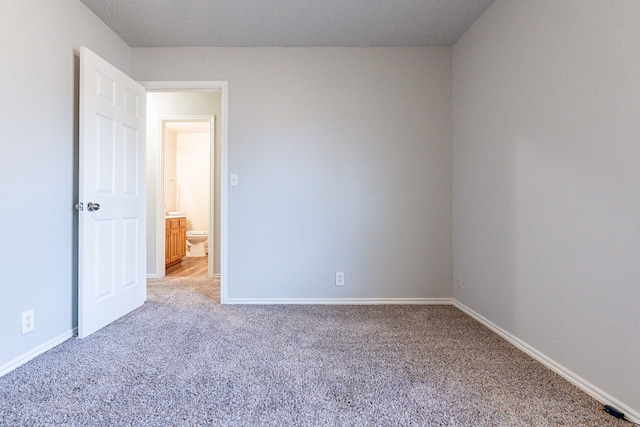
<point>546,181</point>
<point>37,162</point>
<point>344,158</point>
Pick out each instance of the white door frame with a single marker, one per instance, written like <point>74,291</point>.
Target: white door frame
<point>199,86</point>
<point>160,232</point>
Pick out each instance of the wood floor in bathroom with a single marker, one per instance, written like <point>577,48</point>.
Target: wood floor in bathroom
<point>189,266</point>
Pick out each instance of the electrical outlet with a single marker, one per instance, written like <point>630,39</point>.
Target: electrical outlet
<point>28,322</point>
<point>457,280</point>
<point>340,278</point>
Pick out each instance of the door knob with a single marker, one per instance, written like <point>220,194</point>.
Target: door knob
<point>93,207</point>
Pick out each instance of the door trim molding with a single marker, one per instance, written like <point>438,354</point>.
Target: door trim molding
<point>206,86</point>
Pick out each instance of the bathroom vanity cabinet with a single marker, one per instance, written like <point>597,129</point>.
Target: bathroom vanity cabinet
<point>175,242</point>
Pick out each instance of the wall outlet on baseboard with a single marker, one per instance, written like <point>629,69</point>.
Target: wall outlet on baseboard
<point>28,321</point>
<point>340,278</point>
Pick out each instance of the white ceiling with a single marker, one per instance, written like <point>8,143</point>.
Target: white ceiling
<point>288,23</point>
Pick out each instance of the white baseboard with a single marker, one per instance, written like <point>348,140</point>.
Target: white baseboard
<point>151,276</point>
<point>216,276</point>
<point>21,360</point>
<point>342,301</point>
<point>581,383</point>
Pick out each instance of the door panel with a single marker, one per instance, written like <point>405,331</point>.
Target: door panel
<point>112,247</point>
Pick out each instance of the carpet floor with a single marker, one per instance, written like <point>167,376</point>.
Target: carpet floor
<point>184,360</point>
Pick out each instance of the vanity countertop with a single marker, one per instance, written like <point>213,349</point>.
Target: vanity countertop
<point>175,214</point>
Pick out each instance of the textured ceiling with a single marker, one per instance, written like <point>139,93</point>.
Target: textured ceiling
<point>288,23</point>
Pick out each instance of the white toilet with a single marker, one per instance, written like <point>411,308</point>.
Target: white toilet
<point>195,243</point>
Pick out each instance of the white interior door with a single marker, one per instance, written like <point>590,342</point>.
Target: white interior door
<point>112,221</point>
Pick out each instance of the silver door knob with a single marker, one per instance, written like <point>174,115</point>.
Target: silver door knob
<point>93,207</point>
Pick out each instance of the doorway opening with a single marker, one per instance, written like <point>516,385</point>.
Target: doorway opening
<point>188,176</point>
<point>172,107</point>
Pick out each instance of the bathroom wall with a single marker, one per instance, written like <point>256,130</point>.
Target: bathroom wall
<point>170,183</point>
<point>192,178</point>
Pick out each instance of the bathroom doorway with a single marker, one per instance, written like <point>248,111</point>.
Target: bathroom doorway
<point>187,195</point>
<point>178,102</point>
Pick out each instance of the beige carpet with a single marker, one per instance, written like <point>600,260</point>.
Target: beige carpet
<point>184,360</point>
